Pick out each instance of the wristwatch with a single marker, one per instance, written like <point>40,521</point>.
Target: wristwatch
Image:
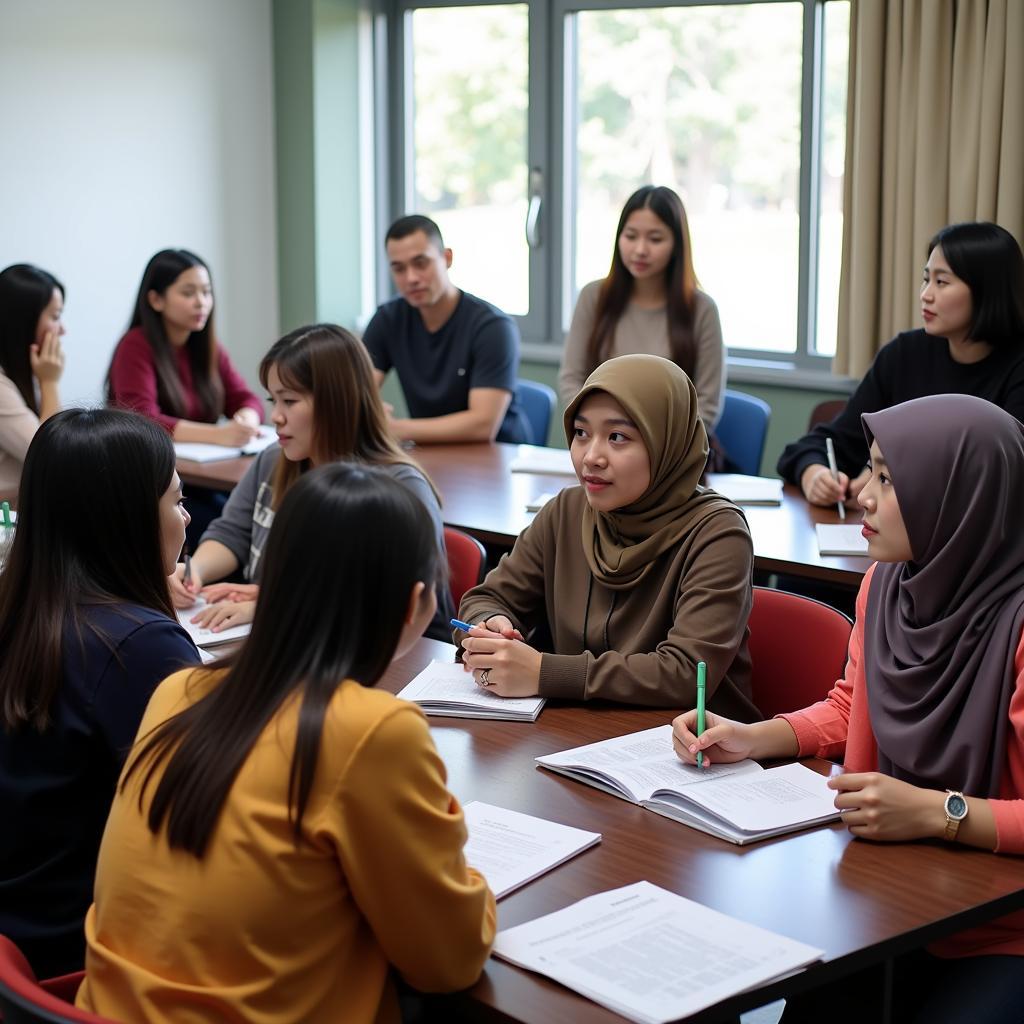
<point>956,810</point>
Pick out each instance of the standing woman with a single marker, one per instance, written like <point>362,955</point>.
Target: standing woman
<point>649,302</point>
<point>87,631</point>
<point>283,836</point>
<point>31,362</point>
<point>929,717</point>
<point>170,367</point>
<point>971,342</point>
<point>621,586</point>
<point>325,407</point>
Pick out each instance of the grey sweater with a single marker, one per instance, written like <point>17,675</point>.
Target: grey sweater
<point>244,525</point>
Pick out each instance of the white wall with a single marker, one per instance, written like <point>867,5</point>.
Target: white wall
<point>128,126</point>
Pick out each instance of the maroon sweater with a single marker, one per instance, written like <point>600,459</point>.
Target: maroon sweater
<point>133,382</point>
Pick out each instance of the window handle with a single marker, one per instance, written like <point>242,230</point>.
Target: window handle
<point>533,208</point>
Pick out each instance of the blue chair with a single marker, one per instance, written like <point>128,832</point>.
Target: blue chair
<point>742,429</point>
<point>537,402</point>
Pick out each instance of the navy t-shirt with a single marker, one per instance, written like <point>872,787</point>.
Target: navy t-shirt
<point>56,787</point>
<point>477,347</point>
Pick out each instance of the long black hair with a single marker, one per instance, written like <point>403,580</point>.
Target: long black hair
<point>25,291</point>
<point>328,611</point>
<point>88,532</point>
<point>680,281</point>
<point>161,272</point>
<point>987,258</point>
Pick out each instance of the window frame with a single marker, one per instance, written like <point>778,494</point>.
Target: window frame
<point>550,134</point>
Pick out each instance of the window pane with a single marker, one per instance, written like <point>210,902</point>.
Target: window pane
<point>833,159</point>
<point>469,129</point>
<point>707,101</point>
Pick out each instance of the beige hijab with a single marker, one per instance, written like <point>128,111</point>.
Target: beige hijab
<point>622,546</point>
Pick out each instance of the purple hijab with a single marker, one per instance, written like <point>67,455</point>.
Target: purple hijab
<point>942,630</point>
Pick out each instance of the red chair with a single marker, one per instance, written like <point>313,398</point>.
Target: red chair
<point>826,412</point>
<point>467,562</point>
<point>798,648</point>
<point>23,1000</point>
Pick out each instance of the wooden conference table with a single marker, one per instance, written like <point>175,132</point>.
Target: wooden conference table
<point>482,496</point>
<point>860,902</point>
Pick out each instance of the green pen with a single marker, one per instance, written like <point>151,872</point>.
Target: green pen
<point>7,515</point>
<point>702,685</point>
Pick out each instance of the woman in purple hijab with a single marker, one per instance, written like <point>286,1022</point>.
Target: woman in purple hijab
<point>929,718</point>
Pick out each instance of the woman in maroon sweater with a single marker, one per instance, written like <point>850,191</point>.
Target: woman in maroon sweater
<point>170,368</point>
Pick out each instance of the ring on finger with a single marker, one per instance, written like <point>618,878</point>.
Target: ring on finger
<point>485,677</point>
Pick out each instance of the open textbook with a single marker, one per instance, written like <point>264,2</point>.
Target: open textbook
<point>448,690</point>
<point>196,451</point>
<point>841,539</point>
<point>650,955</point>
<point>510,849</point>
<point>740,802</point>
<point>205,637</point>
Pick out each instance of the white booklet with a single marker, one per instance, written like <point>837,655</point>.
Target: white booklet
<point>195,451</point>
<point>547,461</point>
<point>510,849</point>
<point>448,690</point>
<point>740,802</point>
<point>841,539</point>
<point>650,955</point>
<point>747,490</point>
<point>205,637</point>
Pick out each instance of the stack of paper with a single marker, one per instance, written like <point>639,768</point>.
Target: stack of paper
<point>194,451</point>
<point>449,691</point>
<point>548,461</point>
<point>747,490</point>
<point>841,539</point>
<point>205,637</point>
<point>649,954</point>
<point>510,849</point>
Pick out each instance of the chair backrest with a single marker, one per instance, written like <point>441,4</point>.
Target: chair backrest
<point>825,412</point>
<point>467,562</point>
<point>23,1000</point>
<point>742,429</point>
<point>798,648</point>
<point>538,403</point>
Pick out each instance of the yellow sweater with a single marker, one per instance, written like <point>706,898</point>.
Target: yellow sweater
<point>263,931</point>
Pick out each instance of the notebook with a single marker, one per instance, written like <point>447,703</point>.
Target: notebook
<point>447,690</point>
<point>546,461</point>
<point>841,539</point>
<point>741,803</point>
<point>194,451</point>
<point>747,490</point>
<point>204,637</point>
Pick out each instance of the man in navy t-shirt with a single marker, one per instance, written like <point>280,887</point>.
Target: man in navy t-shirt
<point>456,356</point>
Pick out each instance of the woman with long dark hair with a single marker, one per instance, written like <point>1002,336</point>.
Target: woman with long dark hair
<point>325,408</point>
<point>649,303</point>
<point>283,836</point>
<point>31,362</point>
<point>87,631</point>
<point>971,342</point>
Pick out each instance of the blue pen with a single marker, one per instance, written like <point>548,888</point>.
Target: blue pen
<point>702,682</point>
<point>459,624</point>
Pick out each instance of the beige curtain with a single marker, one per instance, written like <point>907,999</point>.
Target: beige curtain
<point>935,135</point>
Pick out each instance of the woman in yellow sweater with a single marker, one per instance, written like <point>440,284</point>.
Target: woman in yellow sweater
<point>282,834</point>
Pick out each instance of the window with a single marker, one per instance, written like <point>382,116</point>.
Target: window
<point>527,125</point>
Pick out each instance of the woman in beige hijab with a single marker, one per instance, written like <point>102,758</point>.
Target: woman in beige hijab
<point>622,585</point>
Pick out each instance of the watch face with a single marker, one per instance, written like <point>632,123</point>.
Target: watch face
<point>956,806</point>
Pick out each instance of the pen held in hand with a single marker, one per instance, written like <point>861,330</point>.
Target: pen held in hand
<point>702,683</point>
<point>834,470</point>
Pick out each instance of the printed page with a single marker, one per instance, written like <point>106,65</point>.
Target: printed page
<point>640,763</point>
<point>510,849</point>
<point>205,637</point>
<point>840,539</point>
<point>442,685</point>
<point>747,490</point>
<point>649,954</point>
<point>551,461</point>
<point>778,798</point>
